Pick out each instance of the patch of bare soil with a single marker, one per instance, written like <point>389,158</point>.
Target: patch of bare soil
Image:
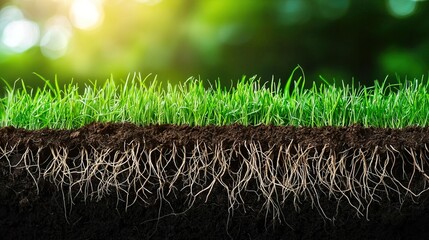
<point>122,181</point>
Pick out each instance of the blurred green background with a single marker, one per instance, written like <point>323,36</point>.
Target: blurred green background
<point>362,40</point>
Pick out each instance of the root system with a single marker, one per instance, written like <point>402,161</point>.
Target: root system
<point>269,172</point>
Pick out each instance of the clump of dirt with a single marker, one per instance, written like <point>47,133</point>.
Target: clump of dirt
<point>387,167</point>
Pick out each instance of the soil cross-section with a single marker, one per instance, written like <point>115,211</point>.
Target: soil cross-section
<point>183,182</point>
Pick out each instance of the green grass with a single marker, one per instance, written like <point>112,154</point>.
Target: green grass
<point>147,101</point>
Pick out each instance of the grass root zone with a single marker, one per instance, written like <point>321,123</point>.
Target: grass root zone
<point>123,181</point>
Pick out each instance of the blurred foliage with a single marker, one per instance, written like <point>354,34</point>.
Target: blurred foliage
<point>362,40</point>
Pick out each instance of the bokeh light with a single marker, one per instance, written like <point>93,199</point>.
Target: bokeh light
<point>20,35</point>
<point>401,8</point>
<point>9,14</point>
<point>294,11</point>
<point>17,34</point>
<point>86,14</point>
<point>56,38</point>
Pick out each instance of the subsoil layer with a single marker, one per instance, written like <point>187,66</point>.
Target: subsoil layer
<point>26,213</point>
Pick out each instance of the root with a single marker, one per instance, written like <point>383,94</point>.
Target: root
<point>274,176</point>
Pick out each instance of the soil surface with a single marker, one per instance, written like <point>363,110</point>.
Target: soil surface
<point>30,211</point>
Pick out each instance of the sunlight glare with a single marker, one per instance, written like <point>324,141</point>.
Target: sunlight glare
<point>86,14</point>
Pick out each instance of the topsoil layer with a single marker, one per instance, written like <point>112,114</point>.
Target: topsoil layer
<point>28,214</point>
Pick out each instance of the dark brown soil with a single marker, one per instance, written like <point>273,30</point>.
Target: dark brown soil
<point>28,214</point>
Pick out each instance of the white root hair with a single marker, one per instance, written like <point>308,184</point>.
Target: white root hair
<point>275,175</point>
